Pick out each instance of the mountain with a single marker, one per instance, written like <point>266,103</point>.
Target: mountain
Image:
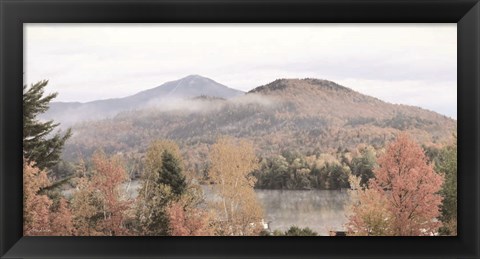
<point>316,97</point>
<point>167,94</point>
<point>187,87</point>
<point>301,115</point>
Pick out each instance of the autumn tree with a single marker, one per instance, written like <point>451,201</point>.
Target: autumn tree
<point>86,207</point>
<point>231,166</point>
<point>107,179</point>
<point>62,220</point>
<point>40,145</point>
<point>403,197</point>
<point>99,204</point>
<point>39,219</point>
<point>369,215</point>
<point>185,219</point>
<point>162,182</point>
<point>36,207</point>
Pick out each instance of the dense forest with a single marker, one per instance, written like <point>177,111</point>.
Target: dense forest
<point>289,135</point>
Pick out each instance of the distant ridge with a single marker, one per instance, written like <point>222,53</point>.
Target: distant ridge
<point>188,87</point>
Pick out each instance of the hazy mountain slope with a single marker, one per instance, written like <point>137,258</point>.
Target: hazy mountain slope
<point>302,115</point>
<point>191,86</point>
<point>314,96</point>
<point>187,87</point>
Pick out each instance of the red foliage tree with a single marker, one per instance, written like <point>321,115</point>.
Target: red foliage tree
<point>409,186</point>
<point>107,180</point>
<point>185,221</point>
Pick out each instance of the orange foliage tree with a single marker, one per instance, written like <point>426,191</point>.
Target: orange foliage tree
<point>107,180</point>
<point>36,207</point>
<point>100,204</point>
<point>185,220</point>
<point>38,218</point>
<point>408,187</point>
<point>62,220</point>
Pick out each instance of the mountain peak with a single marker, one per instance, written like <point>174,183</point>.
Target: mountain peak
<point>194,76</point>
<point>305,84</point>
<point>187,87</point>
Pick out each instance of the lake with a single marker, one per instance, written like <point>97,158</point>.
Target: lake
<point>320,210</point>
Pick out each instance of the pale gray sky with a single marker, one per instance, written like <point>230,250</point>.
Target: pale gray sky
<point>412,64</point>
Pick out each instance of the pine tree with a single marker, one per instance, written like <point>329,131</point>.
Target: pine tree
<point>447,165</point>
<point>171,173</point>
<point>162,184</point>
<point>39,146</point>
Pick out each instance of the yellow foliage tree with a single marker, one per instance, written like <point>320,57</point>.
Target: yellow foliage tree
<point>86,204</point>
<point>232,163</point>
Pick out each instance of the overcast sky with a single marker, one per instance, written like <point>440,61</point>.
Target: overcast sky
<point>412,64</point>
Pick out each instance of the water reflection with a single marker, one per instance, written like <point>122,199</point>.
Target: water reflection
<point>320,210</point>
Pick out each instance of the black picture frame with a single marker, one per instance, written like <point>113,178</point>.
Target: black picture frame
<point>13,13</point>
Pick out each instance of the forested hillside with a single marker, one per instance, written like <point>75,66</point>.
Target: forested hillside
<point>308,116</point>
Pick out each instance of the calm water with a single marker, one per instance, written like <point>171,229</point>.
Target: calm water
<point>320,210</point>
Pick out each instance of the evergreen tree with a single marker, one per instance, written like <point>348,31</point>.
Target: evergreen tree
<point>171,173</point>
<point>296,231</point>
<point>363,165</point>
<point>447,165</point>
<point>162,184</point>
<point>39,146</point>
